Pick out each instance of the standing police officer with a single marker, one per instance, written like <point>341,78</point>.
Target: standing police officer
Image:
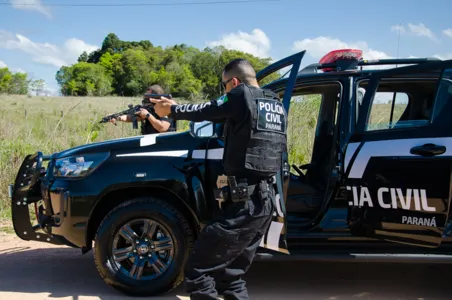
<point>255,137</point>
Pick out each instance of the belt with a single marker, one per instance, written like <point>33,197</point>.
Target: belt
<point>252,180</point>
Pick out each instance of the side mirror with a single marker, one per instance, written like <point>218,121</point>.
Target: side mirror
<point>204,129</point>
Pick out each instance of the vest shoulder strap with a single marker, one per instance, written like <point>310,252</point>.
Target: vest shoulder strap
<point>269,94</point>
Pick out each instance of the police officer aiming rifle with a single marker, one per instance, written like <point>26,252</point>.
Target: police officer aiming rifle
<point>150,121</point>
<point>255,137</point>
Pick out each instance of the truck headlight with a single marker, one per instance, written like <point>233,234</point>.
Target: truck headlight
<point>78,165</point>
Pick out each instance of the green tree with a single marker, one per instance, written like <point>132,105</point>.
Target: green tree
<point>136,72</point>
<point>5,80</point>
<point>128,67</point>
<point>19,84</point>
<point>13,83</point>
<point>83,57</point>
<point>37,86</point>
<point>84,79</point>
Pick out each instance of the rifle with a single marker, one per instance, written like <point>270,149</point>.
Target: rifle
<point>145,103</point>
<point>131,111</point>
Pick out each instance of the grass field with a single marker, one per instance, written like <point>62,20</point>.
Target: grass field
<point>29,124</point>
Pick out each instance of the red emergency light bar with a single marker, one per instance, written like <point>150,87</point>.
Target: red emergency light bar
<point>342,54</point>
<point>352,59</point>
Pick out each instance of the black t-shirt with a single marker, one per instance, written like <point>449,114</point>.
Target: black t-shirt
<point>147,128</point>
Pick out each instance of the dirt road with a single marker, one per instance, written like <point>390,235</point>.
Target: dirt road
<point>30,270</point>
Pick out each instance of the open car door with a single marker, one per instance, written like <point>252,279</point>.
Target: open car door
<point>398,172</point>
<point>275,238</point>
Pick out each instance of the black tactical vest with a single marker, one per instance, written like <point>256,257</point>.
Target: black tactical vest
<point>254,148</point>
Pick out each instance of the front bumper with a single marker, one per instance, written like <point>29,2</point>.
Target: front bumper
<point>26,191</point>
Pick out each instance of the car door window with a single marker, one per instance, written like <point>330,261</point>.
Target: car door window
<point>311,120</point>
<point>281,74</point>
<point>402,102</point>
<point>386,111</point>
<point>444,94</point>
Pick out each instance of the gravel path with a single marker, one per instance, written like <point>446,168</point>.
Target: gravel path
<point>31,270</point>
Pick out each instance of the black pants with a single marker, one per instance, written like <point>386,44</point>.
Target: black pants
<point>227,246</point>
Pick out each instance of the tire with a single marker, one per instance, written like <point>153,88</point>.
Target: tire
<point>170,220</point>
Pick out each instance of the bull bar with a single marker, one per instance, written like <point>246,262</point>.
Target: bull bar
<point>25,191</point>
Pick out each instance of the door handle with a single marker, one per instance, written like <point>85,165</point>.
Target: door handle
<point>428,150</point>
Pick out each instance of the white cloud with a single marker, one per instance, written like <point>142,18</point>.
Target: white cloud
<point>256,42</point>
<point>321,45</point>
<point>31,5</point>
<point>421,30</point>
<point>15,70</point>
<point>415,29</point>
<point>46,53</point>
<point>448,32</point>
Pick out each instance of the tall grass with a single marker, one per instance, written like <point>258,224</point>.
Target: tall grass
<point>29,124</point>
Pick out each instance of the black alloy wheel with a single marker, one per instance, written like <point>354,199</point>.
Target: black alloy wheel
<point>142,245</point>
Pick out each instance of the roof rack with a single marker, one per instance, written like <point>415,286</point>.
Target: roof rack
<point>345,64</point>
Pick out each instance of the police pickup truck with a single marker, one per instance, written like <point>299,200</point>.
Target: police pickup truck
<point>377,184</point>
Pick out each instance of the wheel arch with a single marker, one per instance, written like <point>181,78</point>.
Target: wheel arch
<point>116,196</point>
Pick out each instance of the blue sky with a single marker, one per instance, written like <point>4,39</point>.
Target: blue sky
<point>39,38</point>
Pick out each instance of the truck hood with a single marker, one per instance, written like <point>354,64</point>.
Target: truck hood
<point>150,141</point>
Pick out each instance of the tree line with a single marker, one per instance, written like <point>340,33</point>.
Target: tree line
<point>127,68</point>
<point>18,83</point>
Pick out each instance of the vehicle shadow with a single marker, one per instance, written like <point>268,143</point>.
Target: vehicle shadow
<point>65,273</point>
<point>56,273</point>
